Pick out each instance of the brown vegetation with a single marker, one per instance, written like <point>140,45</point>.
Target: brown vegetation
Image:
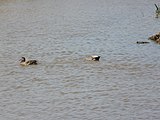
<point>155,38</point>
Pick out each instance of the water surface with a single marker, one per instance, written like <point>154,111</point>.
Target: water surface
<point>123,85</point>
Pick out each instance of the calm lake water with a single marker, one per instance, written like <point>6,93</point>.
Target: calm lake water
<point>123,85</point>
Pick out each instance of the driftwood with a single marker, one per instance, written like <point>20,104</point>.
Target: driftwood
<point>142,42</point>
<point>155,38</point>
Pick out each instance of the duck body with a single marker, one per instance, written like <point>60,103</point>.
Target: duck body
<point>93,58</point>
<point>25,62</point>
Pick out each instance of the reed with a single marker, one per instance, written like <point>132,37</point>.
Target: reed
<point>157,10</point>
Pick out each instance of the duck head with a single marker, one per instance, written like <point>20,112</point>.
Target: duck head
<point>23,59</point>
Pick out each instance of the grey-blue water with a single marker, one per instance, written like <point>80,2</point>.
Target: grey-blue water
<point>123,85</point>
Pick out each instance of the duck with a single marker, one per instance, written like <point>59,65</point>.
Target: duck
<point>93,58</point>
<point>25,62</point>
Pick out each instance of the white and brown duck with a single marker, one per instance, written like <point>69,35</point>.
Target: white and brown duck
<point>25,62</point>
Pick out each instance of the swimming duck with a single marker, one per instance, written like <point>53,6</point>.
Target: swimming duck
<point>93,57</point>
<point>25,62</point>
